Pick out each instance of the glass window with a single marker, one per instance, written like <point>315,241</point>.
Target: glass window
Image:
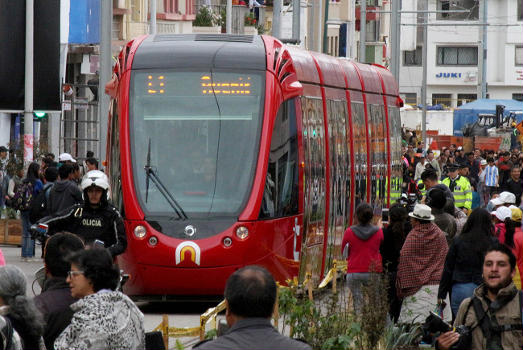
<point>457,56</point>
<point>466,98</point>
<point>360,152</point>
<point>410,98</point>
<point>280,197</point>
<point>199,132</point>
<point>441,99</point>
<point>517,97</point>
<point>519,56</point>
<point>412,58</point>
<point>115,166</point>
<point>452,5</point>
<point>520,10</point>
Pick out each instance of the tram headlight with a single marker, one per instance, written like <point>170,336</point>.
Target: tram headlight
<point>227,242</point>
<point>140,231</point>
<point>242,232</point>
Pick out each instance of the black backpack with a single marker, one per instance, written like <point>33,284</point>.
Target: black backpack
<point>23,196</point>
<point>38,208</point>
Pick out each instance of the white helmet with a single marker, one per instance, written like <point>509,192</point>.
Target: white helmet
<point>95,178</point>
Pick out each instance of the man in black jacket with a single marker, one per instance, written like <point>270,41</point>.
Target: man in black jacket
<point>514,184</point>
<point>96,219</point>
<point>65,192</point>
<point>56,297</point>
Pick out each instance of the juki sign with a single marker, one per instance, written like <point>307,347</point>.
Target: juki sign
<point>448,75</point>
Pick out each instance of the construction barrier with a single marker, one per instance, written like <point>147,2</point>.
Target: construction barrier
<point>211,313</point>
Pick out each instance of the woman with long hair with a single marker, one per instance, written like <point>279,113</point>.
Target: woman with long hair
<point>19,310</point>
<point>28,244</point>
<point>393,238</point>
<point>464,261</point>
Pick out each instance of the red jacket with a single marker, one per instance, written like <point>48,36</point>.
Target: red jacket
<point>364,248</point>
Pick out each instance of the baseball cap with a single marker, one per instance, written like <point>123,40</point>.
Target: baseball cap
<point>504,198</point>
<point>515,214</point>
<point>483,162</point>
<point>502,213</point>
<point>3,149</point>
<point>64,157</point>
<point>460,148</point>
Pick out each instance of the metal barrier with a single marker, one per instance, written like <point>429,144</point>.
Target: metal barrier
<point>211,313</point>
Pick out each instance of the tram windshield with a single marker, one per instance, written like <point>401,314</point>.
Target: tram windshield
<point>203,129</point>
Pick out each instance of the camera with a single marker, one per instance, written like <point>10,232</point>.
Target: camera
<point>39,232</point>
<point>435,325</point>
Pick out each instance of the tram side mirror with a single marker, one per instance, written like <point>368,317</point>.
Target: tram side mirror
<point>291,89</point>
<point>111,88</point>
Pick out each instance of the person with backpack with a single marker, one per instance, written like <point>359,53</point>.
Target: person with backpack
<point>40,205</point>
<point>22,199</point>
<point>493,313</point>
<point>65,192</point>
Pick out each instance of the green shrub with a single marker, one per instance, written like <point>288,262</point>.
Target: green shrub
<point>206,18</point>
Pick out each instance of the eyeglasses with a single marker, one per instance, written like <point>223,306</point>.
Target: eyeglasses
<point>72,274</point>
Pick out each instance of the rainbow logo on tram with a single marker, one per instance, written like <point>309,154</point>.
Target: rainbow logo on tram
<point>188,246</point>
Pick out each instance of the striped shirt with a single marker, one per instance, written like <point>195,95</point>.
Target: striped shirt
<point>491,175</point>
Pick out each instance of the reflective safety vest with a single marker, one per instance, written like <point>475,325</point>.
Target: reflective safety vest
<point>462,192</point>
<point>395,189</point>
<point>424,190</point>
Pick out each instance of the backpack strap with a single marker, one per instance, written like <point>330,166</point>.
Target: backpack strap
<point>483,319</point>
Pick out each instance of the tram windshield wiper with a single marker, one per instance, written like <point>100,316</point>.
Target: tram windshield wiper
<point>151,174</point>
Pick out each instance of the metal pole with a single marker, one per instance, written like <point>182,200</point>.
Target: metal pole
<point>28,102</point>
<point>394,42</point>
<point>326,28</point>
<point>105,73</point>
<point>484,52</point>
<point>152,20</point>
<point>424,82</point>
<point>296,17</point>
<point>276,18</point>
<point>363,30</point>
<point>228,17</point>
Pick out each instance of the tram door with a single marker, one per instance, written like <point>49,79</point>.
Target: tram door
<point>313,135</point>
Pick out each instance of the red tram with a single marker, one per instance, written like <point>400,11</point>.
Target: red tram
<point>225,151</point>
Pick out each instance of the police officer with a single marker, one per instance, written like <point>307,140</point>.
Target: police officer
<point>96,219</point>
<point>460,188</point>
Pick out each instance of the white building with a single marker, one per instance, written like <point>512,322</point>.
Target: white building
<point>454,53</point>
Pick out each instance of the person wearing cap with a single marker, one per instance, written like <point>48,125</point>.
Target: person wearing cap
<point>514,184</point>
<point>500,216</point>
<point>420,166</point>
<point>66,158</point>
<point>505,198</point>
<point>474,166</point>
<point>436,200</point>
<point>420,267</point>
<point>460,158</point>
<point>513,238</point>
<point>460,188</point>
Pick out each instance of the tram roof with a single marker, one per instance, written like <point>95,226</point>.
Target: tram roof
<point>222,51</point>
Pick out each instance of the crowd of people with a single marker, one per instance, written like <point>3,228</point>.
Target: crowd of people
<point>458,252</point>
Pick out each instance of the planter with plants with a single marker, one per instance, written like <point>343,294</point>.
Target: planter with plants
<point>250,24</point>
<point>207,21</point>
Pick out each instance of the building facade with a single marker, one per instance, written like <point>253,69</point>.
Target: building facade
<point>454,53</point>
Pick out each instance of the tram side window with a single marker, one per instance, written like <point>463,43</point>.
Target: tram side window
<point>280,197</point>
<point>360,152</point>
<point>116,184</point>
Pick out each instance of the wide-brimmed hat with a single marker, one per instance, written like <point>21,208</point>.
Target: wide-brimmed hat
<point>502,213</point>
<point>422,212</point>
<point>504,198</point>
